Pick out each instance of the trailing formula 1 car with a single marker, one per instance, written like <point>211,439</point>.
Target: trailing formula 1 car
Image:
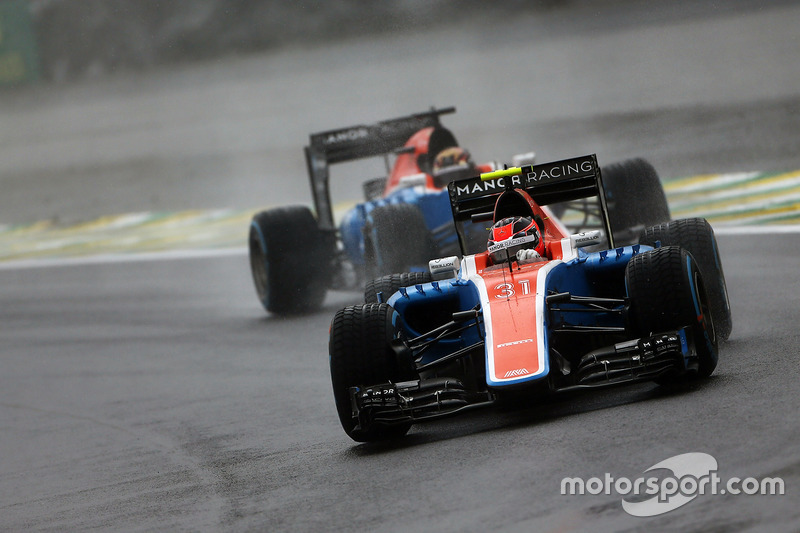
<point>421,157</point>
<point>537,310</point>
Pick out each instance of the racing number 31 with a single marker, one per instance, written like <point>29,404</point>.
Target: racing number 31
<point>506,290</point>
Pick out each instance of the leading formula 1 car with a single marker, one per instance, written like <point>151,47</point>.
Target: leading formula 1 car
<point>484,326</point>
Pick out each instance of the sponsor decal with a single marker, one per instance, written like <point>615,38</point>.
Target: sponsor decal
<point>585,238</point>
<point>502,245</point>
<point>514,343</point>
<point>569,169</point>
<point>445,262</point>
<point>478,187</point>
<point>518,372</point>
<point>350,135</point>
<point>444,266</point>
<point>529,176</point>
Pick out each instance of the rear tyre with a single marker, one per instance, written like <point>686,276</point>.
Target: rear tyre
<point>396,239</point>
<point>290,259</point>
<point>696,236</point>
<point>667,293</point>
<point>390,283</point>
<point>635,198</point>
<point>360,356</point>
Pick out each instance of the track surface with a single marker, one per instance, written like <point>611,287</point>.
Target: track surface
<point>157,395</point>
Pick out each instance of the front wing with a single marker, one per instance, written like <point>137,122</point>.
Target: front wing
<point>648,358</point>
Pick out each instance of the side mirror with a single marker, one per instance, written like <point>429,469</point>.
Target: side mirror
<point>444,268</point>
<point>586,238</point>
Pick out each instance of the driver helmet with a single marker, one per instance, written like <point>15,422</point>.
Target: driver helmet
<point>454,156</point>
<point>452,164</point>
<point>509,235</point>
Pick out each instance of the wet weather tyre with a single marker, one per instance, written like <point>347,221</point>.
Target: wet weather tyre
<point>390,283</point>
<point>290,260</point>
<point>634,197</point>
<point>397,240</point>
<point>696,236</point>
<point>360,356</point>
<point>667,292</point>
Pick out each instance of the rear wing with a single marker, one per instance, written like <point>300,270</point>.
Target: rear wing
<point>357,142</point>
<point>473,200</point>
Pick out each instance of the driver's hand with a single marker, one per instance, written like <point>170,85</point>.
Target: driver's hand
<point>528,256</point>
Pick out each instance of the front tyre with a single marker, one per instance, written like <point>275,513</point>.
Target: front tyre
<point>290,259</point>
<point>361,355</point>
<point>667,293</point>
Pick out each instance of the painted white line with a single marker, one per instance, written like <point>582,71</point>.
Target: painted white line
<point>756,230</point>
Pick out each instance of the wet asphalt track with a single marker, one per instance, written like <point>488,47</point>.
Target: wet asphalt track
<point>155,395</point>
<point>158,396</point>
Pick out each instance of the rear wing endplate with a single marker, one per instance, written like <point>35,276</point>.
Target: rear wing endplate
<point>549,183</point>
<point>358,142</point>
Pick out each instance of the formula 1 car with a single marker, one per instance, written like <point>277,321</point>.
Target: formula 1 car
<point>476,329</point>
<point>404,222</point>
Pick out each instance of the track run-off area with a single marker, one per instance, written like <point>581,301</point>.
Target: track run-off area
<point>743,202</point>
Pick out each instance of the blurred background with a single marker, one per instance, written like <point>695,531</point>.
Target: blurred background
<point>94,37</point>
<point>114,107</point>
